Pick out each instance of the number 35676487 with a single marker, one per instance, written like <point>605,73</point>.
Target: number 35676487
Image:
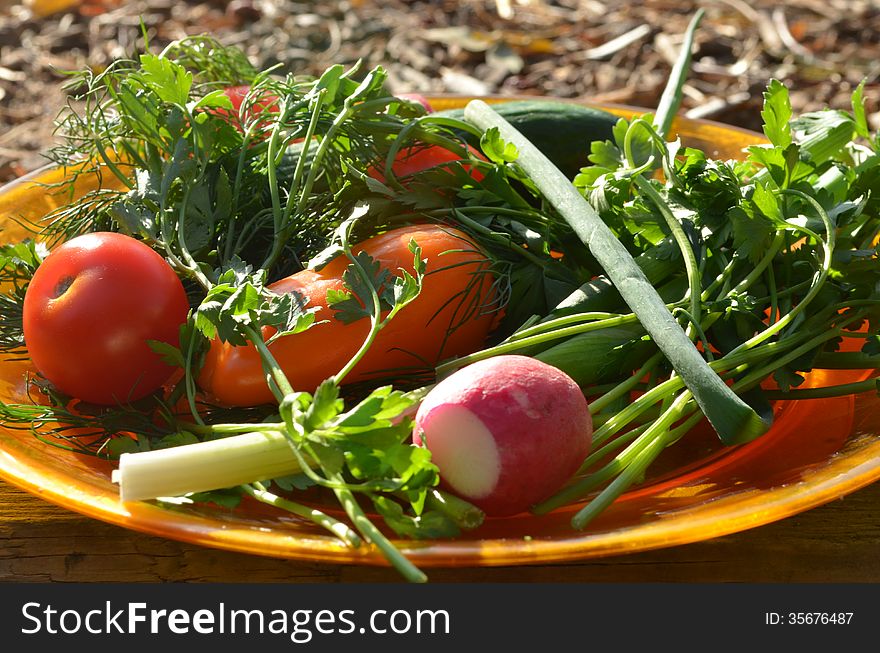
<point>807,618</point>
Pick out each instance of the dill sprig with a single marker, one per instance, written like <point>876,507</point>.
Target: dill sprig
<point>277,174</point>
<point>18,262</point>
<point>211,62</point>
<point>11,336</point>
<point>63,422</point>
<point>109,431</point>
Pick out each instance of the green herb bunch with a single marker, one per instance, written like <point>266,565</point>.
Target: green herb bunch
<point>768,264</point>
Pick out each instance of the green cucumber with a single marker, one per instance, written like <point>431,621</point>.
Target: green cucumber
<point>562,131</point>
<point>600,356</point>
<point>658,263</point>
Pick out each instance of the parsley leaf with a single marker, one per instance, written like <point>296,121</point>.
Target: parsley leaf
<point>357,301</point>
<point>364,276</point>
<point>777,114</point>
<point>170,81</point>
<point>240,299</point>
<point>496,148</point>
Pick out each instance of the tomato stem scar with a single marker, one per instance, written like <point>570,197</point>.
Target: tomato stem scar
<point>61,287</point>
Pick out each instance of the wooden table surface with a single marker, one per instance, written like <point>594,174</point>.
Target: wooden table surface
<point>838,542</point>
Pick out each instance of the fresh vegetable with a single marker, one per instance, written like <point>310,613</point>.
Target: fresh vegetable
<point>238,95</point>
<point>244,459</point>
<point>416,97</point>
<point>453,314</point>
<point>90,312</point>
<point>418,158</point>
<point>506,432</point>
<point>598,356</point>
<point>254,106</point>
<point>706,287</point>
<point>563,131</point>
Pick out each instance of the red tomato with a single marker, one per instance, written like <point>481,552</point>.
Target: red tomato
<point>415,97</point>
<point>89,311</point>
<point>422,333</point>
<point>238,94</point>
<point>416,158</point>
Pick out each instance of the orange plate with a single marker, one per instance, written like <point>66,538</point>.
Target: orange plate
<point>818,451</point>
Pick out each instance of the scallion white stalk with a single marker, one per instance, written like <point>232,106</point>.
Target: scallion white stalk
<point>204,466</point>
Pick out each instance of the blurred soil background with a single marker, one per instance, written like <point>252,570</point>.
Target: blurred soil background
<point>616,51</point>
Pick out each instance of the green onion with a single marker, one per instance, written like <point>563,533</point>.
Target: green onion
<point>671,98</point>
<point>237,460</point>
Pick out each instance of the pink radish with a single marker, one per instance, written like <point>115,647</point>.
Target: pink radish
<point>506,432</point>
